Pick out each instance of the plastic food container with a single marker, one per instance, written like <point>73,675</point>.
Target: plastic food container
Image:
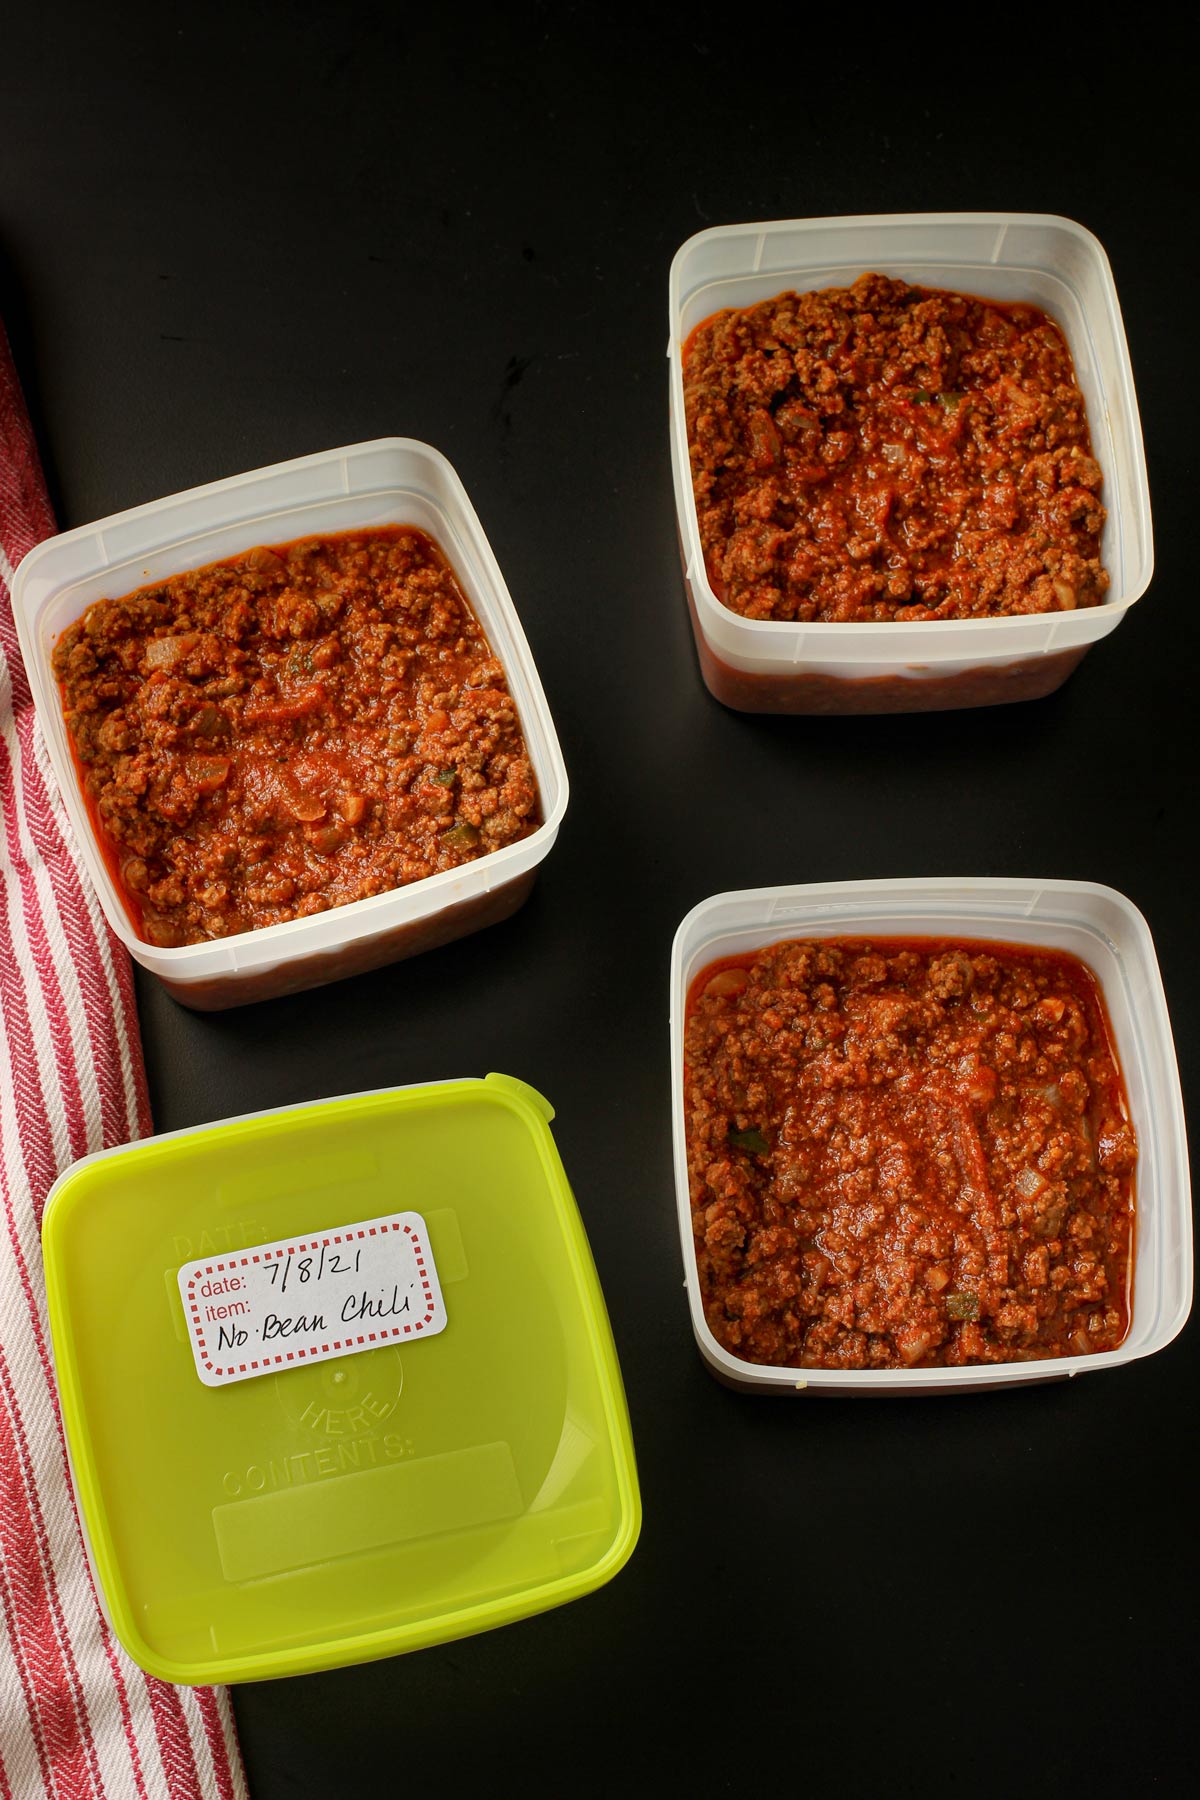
<point>768,665</point>
<point>313,1516</point>
<point>1096,924</point>
<point>394,481</point>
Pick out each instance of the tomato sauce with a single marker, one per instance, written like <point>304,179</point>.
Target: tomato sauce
<point>885,452</point>
<point>291,730</point>
<point>907,1153</point>
<point>813,692</point>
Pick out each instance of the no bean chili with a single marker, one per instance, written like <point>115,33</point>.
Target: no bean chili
<point>886,451</point>
<point>906,1153</point>
<point>291,730</point>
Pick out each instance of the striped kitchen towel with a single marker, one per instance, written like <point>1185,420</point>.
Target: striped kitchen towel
<point>77,1718</point>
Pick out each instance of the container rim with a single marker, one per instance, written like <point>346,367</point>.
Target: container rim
<point>906,643</point>
<point>937,893</point>
<point>868,221</point>
<point>339,927</point>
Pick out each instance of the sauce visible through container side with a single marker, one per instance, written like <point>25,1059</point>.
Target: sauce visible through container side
<point>291,730</point>
<point>907,1153</point>
<point>890,452</point>
<point>814,691</point>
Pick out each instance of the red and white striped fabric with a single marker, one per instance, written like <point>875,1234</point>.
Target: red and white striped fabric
<point>77,1719</point>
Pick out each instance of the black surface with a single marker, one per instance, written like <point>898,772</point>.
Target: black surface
<point>229,236</point>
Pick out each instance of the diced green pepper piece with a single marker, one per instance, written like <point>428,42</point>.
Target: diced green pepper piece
<point>445,778</point>
<point>950,399</point>
<point>921,395</point>
<point>462,837</point>
<point>749,1140</point>
<point>962,1306</point>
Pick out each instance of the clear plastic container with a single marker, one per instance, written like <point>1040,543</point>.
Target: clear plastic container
<point>331,1513</point>
<point>393,481</point>
<point>766,665</point>
<point>1096,924</point>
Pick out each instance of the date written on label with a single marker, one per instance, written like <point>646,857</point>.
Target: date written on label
<point>307,1299</point>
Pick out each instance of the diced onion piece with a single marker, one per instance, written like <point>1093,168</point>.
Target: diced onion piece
<point>308,808</point>
<point>912,1341</point>
<point>208,773</point>
<point>726,982</point>
<point>166,652</point>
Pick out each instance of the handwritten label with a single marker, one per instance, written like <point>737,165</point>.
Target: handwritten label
<point>304,1300</point>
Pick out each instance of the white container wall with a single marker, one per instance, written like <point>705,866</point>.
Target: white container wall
<point>777,666</point>
<point>1096,924</point>
<point>393,481</point>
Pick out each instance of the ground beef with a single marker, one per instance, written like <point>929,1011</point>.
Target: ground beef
<point>291,730</point>
<point>907,1153</point>
<point>891,452</point>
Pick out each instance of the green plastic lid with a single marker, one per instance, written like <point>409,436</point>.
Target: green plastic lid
<point>253,1513</point>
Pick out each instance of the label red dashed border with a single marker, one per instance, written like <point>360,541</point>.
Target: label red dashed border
<point>327,1241</point>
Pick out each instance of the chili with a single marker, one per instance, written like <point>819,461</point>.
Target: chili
<point>886,451</point>
<point>907,1153</point>
<point>290,730</point>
